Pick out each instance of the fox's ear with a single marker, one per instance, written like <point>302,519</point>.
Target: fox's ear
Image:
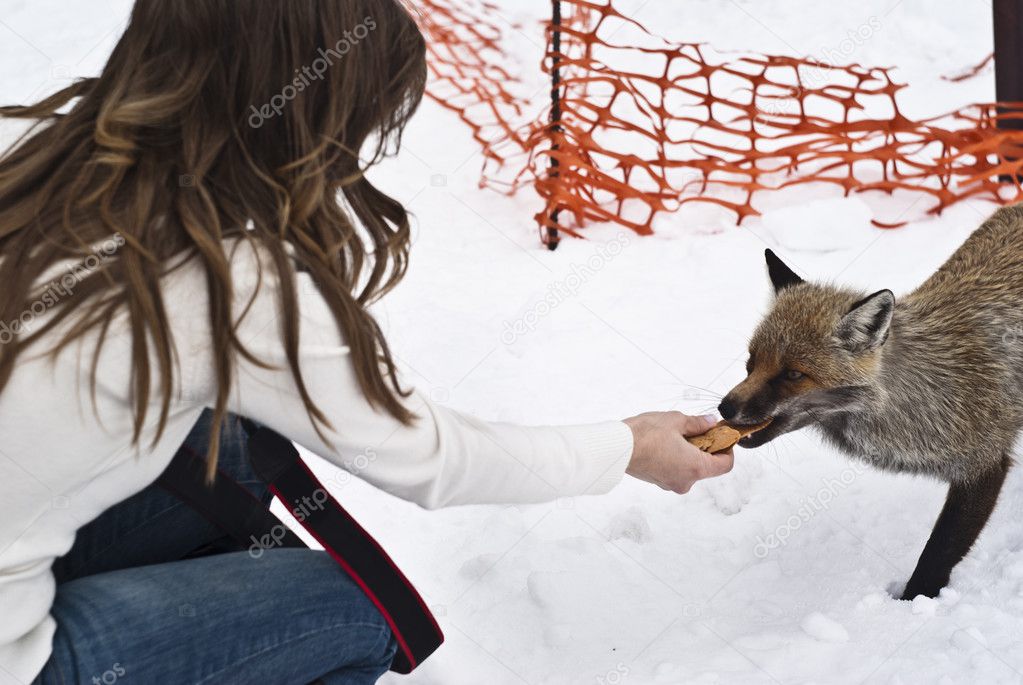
<point>868,323</point>
<point>781,275</point>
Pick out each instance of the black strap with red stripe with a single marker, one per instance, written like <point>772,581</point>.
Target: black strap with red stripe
<point>243,517</point>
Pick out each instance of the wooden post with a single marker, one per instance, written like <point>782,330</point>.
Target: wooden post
<point>1008,23</point>
<point>552,232</point>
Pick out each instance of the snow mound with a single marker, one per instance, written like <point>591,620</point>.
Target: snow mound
<point>820,627</point>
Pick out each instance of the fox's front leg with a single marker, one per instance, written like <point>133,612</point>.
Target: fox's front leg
<point>966,511</point>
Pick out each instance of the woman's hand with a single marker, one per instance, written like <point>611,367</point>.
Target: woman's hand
<point>661,454</point>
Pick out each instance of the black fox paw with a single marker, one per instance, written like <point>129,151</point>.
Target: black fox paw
<point>913,591</point>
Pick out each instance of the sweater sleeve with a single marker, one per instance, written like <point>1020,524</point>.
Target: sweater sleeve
<point>445,457</point>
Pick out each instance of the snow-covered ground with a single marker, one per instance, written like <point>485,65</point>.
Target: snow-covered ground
<point>779,572</point>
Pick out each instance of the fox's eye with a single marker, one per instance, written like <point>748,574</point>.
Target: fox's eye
<point>793,375</point>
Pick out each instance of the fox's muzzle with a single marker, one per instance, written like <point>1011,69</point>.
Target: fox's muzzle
<point>749,402</point>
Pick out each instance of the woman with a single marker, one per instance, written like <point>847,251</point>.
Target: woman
<point>194,229</point>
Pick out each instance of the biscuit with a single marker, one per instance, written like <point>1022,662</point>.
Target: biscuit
<point>724,436</point>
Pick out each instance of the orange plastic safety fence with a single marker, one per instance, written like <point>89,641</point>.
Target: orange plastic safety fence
<point>648,126</point>
<point>467,75</point>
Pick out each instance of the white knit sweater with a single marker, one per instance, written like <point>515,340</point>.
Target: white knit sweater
<point>63,462</point>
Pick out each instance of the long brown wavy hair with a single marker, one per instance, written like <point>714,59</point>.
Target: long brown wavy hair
<point>217,120</point>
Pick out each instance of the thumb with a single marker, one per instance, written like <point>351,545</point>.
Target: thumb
<point>697,425</point>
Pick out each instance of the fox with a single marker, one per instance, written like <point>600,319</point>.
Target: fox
<point>930,383</point>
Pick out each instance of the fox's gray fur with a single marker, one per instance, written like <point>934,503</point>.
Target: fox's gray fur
<point>929,384</point>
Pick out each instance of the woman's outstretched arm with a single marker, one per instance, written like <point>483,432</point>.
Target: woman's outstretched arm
<point>447,457</point>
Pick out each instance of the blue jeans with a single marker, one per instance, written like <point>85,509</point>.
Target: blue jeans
<point>153,593</point>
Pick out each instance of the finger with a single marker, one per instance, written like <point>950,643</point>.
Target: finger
<point>702,465</point>
<point>709,465</point>
<point>719,464</point>
<point>691,453</point>
<point>696,425</point>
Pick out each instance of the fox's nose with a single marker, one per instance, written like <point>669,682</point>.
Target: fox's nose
<point>727,409</point>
